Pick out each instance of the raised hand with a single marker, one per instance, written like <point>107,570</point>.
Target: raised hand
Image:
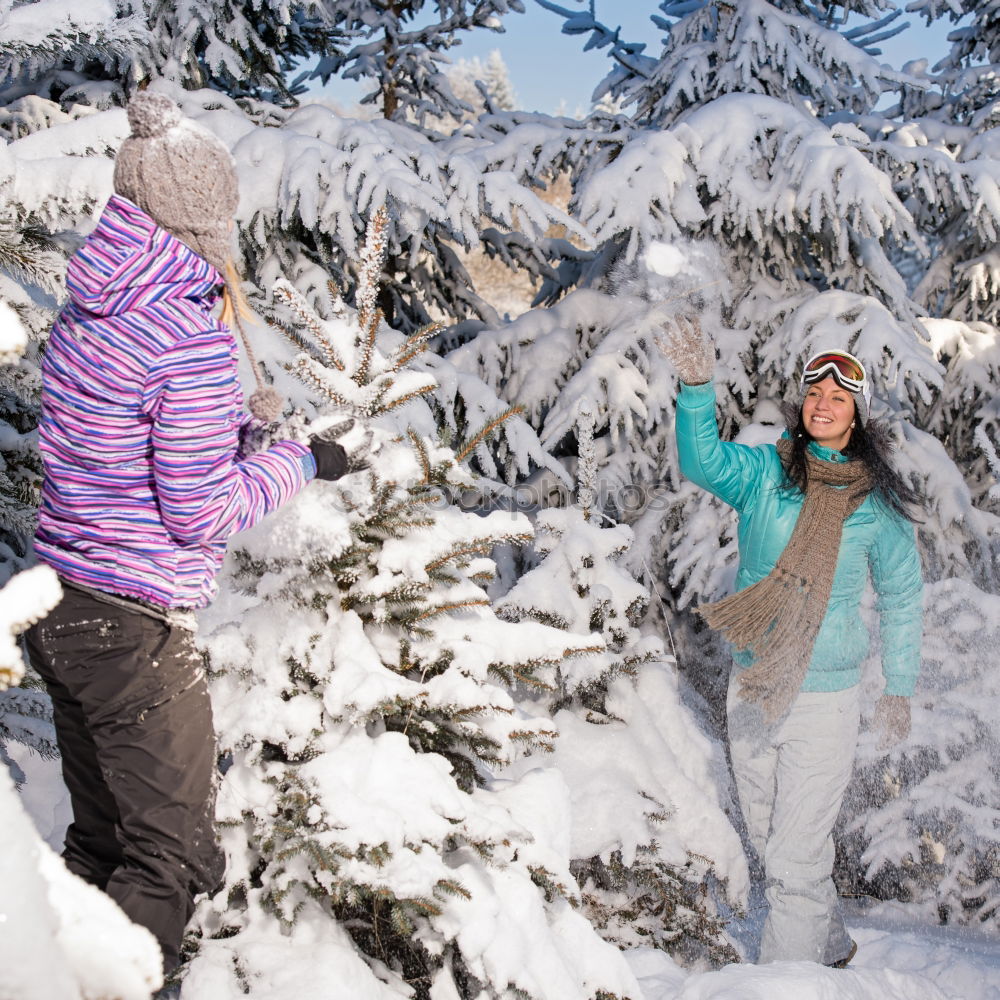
<point>688,348</point>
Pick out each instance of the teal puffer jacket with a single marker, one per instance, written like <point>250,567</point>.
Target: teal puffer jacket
<point>876,540</point>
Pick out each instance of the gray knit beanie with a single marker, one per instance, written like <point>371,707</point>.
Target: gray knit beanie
<point>184,178</point>
<point>180,174</point>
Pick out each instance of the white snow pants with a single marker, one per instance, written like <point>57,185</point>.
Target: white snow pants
<point>791,784</point>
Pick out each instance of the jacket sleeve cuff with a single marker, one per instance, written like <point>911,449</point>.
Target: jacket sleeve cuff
<point>308,462</point>
<point>900,684</point>
<point>696,395</point>
<point>299,451</point>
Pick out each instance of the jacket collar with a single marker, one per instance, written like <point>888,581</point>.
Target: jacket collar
<point>821,452</point>
<point>826,454</point>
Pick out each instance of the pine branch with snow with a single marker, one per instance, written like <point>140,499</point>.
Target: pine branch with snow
<point>27,598</point>
<point>64,938</point>
<point>44,45</point>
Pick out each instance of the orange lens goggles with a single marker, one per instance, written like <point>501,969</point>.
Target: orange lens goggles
<point>844,368</point>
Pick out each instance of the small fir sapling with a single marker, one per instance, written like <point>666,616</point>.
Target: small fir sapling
<point>362,687</point>
<point>647,882</point>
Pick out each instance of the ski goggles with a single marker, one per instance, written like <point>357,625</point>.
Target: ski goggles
<point>843,368</point>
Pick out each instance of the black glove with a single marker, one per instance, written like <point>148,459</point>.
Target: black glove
<point>331,459</point>
<point>340,459</point>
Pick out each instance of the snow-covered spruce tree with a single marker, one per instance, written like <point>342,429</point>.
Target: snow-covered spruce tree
<point>802,221</point>
<point>808,224</point>
<point>401,47</point>
<point>312,175</point>
<point>649,836</point>
<point>363,695</point>
<point>919,824</point>
<point>939,145</point>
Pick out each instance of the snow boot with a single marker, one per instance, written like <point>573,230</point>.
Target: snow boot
<point>845,961</point>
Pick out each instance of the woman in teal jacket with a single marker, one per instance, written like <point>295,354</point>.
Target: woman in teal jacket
<point>819,513</point>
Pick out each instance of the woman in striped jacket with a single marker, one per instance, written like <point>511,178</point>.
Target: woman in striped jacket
<point>141,418</point>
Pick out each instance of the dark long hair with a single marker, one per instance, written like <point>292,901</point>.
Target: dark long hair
<point>870,443</point>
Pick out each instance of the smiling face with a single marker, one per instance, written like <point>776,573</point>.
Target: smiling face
<point>828,412</point>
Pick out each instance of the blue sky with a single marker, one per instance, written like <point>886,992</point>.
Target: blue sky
<point>550,71</point>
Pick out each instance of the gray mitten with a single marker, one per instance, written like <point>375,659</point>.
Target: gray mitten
<point>688,348</point>
<point>891,720</point>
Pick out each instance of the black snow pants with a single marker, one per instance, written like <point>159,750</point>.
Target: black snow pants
<point>134,726</point>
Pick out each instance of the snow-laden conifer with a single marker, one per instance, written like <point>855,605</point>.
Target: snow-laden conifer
<point>817,217</point>
<point>944,160</point>
<point>807,228</point>
<point>364,697</point>
<point>401,48</point>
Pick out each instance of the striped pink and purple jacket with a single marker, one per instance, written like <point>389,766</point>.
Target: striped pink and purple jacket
<point>141,413</point>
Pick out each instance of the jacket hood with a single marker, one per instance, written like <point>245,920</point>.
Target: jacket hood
<point>128,261</point>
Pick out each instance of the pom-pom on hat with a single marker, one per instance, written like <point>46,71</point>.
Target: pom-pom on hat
<point>180,174</point>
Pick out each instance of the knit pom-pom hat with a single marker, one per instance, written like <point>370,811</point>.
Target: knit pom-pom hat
<point>184,178</point>
<point>180,174</point>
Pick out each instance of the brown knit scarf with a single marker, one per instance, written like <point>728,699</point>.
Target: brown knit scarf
<point>779,617</point>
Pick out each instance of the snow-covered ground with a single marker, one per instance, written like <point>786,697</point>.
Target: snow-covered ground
<point>896,960</point>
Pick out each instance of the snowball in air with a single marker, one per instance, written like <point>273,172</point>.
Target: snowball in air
<point>664,259</point>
